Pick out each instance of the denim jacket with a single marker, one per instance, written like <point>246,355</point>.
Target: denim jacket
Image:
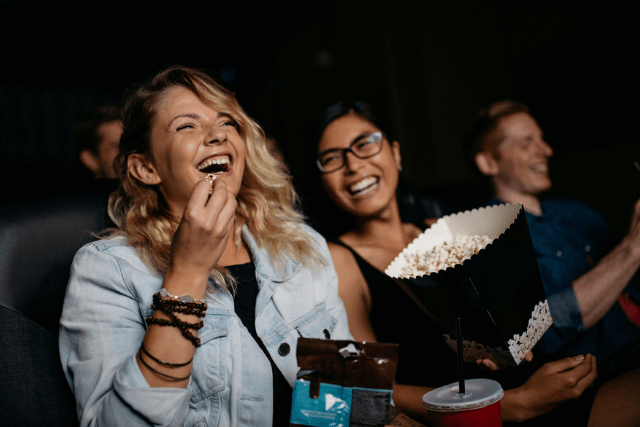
<point>103,323</point>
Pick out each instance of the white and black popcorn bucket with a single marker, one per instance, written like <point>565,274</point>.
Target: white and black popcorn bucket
<point>497,293</point>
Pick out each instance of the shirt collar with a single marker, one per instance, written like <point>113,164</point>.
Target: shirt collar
<point>264,264</point>
<point>548,213</point>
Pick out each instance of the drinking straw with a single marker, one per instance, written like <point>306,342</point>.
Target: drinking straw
<point>461,388</point>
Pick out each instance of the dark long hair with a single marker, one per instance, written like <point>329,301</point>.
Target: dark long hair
<point>342,108</point>
<point>320,210</point>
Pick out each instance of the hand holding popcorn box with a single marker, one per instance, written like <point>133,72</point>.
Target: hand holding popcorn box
<point>479,265</point>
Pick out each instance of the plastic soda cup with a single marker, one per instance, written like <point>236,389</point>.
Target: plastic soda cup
<point>478,406</point>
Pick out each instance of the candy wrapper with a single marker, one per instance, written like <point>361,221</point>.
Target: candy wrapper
<point>479,265</point>
<point>343,383</point>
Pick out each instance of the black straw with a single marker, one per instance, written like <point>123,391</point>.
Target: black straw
<point>461,388</point>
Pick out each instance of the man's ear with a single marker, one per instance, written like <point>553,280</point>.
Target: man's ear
<point>486,163</point>
<point>142,169</point>
<point>89,161</point>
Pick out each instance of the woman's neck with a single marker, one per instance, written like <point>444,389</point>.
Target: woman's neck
<point>234,254</point>
<point>381,238</point>
<point>378,231</point>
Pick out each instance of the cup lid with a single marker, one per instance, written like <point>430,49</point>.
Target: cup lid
<point>479,392</point>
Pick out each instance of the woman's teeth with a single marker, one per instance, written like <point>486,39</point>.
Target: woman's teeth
<point>363,186</point>
<point>214,165</point>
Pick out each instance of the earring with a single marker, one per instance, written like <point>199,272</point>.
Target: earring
<point>399,168</point>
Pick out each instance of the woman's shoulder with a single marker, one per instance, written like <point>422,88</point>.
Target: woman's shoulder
<point>105,252</point>
<point>109,270</point>
<point>113,246</point>
<point>339,251</point>
<point>345,263</point>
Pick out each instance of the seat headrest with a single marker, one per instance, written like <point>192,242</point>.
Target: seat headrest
<point>39,237</point>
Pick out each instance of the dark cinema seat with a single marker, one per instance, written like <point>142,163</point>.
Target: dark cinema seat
<point>39,236</point>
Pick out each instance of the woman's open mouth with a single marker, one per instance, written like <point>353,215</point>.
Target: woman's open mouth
<point>215,165</point>
<point>364,186</point>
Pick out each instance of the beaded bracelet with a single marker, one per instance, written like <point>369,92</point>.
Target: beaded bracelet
<point>160,373</point>
<point>184,326</point>
<point>177,309</point>
<point>185,304</point>
<point>170,310</point>
<point>198,307</point>
<point>182,298</point>
<point>175,322</point>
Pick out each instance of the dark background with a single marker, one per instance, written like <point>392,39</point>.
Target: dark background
<point>428,66</point>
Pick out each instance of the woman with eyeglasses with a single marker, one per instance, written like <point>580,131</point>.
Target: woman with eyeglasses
<point>359,168</point>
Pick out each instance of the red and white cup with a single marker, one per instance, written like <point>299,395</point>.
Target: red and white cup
<point>478,406</point>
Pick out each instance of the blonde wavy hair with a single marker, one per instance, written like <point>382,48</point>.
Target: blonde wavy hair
<point>267,201</point>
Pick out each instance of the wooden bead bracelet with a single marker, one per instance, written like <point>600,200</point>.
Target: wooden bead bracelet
<point>185,304</point>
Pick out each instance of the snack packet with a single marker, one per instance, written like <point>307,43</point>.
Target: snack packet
<point>343,383</point>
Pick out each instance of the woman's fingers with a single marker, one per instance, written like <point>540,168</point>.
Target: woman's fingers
<point>591,374</point>
<point>488,364</point>
<point>211,204</point>
<point>200,194</point>
<point>580,376</point>
<point>221,210</point>
<point>565,364</point>
<point>221,202</point>
<point>559,381</point>
<point>204,230</point>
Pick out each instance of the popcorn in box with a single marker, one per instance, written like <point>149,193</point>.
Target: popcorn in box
<point>479,265</point>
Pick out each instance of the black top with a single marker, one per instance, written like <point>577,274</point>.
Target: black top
<point>245,308</point>
<point>424,359</point>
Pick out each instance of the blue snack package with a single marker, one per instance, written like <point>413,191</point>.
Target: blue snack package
<point>331,408</point>
<point>343,383</point>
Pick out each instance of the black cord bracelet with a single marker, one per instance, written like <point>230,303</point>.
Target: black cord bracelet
<point>144,350</point>
<point>160,373</point>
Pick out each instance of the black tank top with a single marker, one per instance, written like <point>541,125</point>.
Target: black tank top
<point>245,307</point>
<point>424,359</point>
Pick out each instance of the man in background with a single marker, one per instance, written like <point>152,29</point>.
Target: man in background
<point>96,137</point>
<point>589,275</point>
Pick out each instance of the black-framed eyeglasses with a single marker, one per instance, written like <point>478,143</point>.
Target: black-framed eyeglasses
<point>364,147</point>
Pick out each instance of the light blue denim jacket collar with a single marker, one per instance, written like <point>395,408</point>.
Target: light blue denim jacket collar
<point>263,264</point>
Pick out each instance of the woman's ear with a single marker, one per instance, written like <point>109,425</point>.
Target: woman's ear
<point>142,169</point>
<point>395,149</point>
<point>486,163</point>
